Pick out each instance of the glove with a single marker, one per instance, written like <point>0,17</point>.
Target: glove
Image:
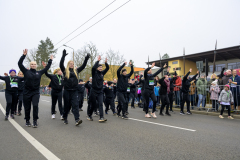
<point>88,55</point>
<point>64,53</point>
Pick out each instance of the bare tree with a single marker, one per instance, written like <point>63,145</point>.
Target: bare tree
<point>80,55</point>
<point>115,60</point>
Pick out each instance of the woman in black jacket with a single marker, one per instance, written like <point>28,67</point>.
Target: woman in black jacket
<point>164,91</point>
<point>70,84</point>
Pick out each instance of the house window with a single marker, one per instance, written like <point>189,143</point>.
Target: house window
<point>177,69</point>
<point>218,67</point>
<point>234,65</point>
<point>175,62</point>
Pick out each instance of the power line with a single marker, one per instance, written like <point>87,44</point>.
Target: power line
<point>97,22</point>
<point>86,21</point>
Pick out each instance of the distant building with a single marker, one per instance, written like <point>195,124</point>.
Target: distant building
<point>228,58</point>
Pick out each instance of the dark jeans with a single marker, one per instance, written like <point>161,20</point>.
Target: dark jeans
<point>11,98</point>
<point>110,101</point>
<point>235,97</point>
<point>165,101</point>
<point>71,99</point>
<point>57,97</point>
<point>27,100</point>
<point>170,97</point>
<point>122,102</point>
<point>150,94</point>
<point>132,97</point>
<point>215,104</point>
<point>158,99</point>
<point>80,99</point>
<point>185,98</point>
<point>228,107</point>
<point>95,96</point>
<point>177,97</point>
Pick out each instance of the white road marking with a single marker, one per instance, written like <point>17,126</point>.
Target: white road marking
<point>45,101</point>
<point>43,150</point>
<point>186,129</point>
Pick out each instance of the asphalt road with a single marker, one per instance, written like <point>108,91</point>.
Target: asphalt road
<point>138,138</point>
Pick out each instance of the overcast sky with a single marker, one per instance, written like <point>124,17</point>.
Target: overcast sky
<point>138,29</point>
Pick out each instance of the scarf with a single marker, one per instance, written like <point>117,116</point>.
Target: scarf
<point>168,85</point>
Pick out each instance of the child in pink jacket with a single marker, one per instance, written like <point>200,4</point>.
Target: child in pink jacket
<point>214,90</point>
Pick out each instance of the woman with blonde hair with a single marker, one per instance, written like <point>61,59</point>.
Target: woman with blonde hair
<point>70,84</point>
<point>56,93</point>
<point>31,93</point>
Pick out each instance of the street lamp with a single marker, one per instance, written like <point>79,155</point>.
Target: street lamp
<point>72,49</point>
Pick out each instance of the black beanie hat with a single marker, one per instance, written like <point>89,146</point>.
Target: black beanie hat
<point>124,70</point>
<point>109,83</point>
<point>80,80</point>
<point>99,65</point>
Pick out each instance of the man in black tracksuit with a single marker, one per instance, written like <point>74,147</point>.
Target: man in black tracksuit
<point>56,93</point>
<point>185,91</point>
<point>122,87</point>
<point>11,92</point>
<point>97,89</point>
<point>109,93</point>
<point>70,84</point>
<point>149,89</point>
<point>31,92</point>
<point>81,89</point>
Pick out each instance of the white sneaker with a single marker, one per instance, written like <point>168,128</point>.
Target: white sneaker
<point>147,116</point>
<point>153,115</point>
<point>62,117</point>
<point>53,116</point>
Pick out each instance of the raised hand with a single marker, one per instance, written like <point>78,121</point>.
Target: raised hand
<point>130,63</point>
<point>44,64</point>
<point>51,57</point>
<point>65,52</point>
<point>153,64</point>
<point>5,74</point>
<point>197,72</point>
<point>25,52</point>
<point>99,58</point>
<point>190,70</point>
<point>165,65</point>
<point>88,55</point>
<point>106,60</point>
<point>125,63</point>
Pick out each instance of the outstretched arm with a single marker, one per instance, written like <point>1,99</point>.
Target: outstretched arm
<point>20,62</point>
<point>79,69</point>
<point>120,68</point>
<point>105,70</point>
<point>3,77</point>
<point>132,70</point>
<point>194,77</point>
<point>48,65</point>
<point>62,61</point>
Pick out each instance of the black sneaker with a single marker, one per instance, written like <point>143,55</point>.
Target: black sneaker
<point>78,122</point>
<point>6,118</point>
<point>189,112</point>
<point>102,120</point>
<point>161,114</point>
<point>89,118</point>
<point>171,111</point>
<point>119,115</point>
<point>35,125</point>
<point>65,121</point>
<point>28,124</point>
<point>124,117</point>
<point>12,116</point>
<point>182,113</point>
<point>168,114</point>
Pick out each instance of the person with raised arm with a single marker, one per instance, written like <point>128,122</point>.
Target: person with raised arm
<point>185,91</point>
<point>122,87</point>
<point>70,84</point>
<point>97,89</point>
<point>149,89</point>
<point>31,93</point>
